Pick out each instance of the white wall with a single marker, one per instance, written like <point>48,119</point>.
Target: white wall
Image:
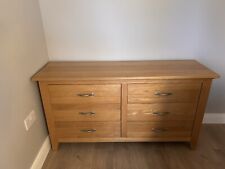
<point>139,29</point>
<point>22,52</point>
<point>121,29</point>
<point>213,49</point>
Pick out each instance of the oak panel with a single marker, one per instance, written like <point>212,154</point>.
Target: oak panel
<point>116,70</point>
<point>48,114</point>
<point>67,94</point>
<point>206,86</point>
<point>125,139</point>
<point>161,111</point>
<point>124,110</point>
<point>81,129</point>
<point>163,93</point>
<point>84,112</point>
<point>159,129</point>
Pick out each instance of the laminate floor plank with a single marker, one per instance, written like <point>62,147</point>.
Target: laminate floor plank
<point>210,154</point>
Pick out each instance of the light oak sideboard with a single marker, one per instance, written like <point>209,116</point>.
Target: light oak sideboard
<point>127,101</point>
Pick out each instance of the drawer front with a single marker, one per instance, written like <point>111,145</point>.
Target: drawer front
<point>87,130</point>
<point>83,112</point>
<point>163,93</point>
<point>161,112</point>
<point>159,130</point>
<point>87,94</point>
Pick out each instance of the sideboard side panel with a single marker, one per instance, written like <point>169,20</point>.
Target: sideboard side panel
<point>48,114</point>
<point>206,85</point>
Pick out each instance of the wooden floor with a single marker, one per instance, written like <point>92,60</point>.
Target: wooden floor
<point>210,154</point>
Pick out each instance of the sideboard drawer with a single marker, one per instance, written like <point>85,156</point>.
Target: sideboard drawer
<point>87,130</point>
<point>161,111</point>
<point>157,129</point>
<point>83,112</point>
<point>87,94</point>
<point>163,92</point>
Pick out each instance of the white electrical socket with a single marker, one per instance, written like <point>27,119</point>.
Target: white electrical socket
<point>30,119</point>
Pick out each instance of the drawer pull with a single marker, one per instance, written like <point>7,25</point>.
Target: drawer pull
<point>86,94</point>
<point>158,113</point>
<point>163,94</point>
<point>158,130</point>
<point>87,113</point>
<point>89,131</point>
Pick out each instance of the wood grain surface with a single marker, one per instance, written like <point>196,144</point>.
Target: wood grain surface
<point>161,112</point>
<point>114,70</point>
<point>163,92</point>
<point>70,94</point>
<point>84,112</point>
<point>126,101</point>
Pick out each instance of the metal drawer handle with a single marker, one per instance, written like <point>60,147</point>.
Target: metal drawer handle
<point>87,113</point>
<point>158,113</point>
<point>86,94</point>
<point>89,131</point>
<point>163,94</point>
<point>158,130</point>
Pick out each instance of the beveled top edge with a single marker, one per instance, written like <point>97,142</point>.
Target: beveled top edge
<point>113,70</point>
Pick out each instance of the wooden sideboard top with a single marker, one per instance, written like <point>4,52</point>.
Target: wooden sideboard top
<point>115,70</point>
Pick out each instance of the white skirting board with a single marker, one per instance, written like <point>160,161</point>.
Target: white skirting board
<point>214,118</point>
<point>42,154</point>
<point>209,118</point>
